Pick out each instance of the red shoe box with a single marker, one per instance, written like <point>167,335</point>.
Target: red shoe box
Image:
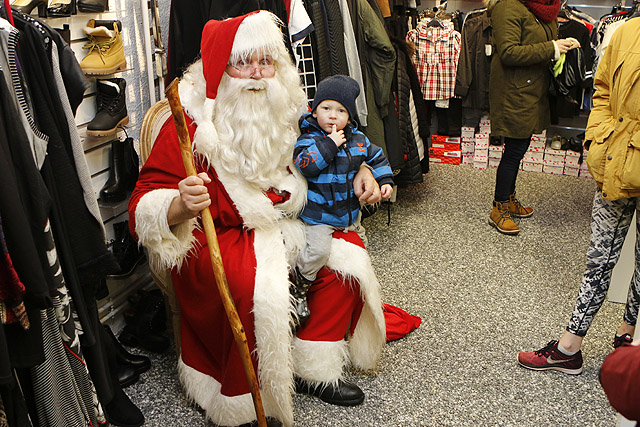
<point>447,160</point>
<point>435,138</point>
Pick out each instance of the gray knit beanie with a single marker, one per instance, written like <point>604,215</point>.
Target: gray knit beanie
<point>339,88</point>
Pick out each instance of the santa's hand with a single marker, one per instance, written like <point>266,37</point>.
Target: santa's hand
<point>193,198</point>
<point>365,186</point>
<point>337,136</point>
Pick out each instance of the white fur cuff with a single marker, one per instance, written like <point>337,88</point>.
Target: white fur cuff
<point>319,362</point>
<point>167,246</point>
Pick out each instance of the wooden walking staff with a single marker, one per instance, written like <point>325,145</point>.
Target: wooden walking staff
<point>214,252</point>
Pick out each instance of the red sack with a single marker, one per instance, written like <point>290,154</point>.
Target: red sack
<point>399,323</point>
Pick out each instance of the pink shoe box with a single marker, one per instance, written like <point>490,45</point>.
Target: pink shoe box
<point>542,135</point>
<point>537,146</point>
<point>479,164</point>
<point>471,138</point>
<point>553,170</point>
<point>553,162</point>
<point>480,156</point>
<point>495,154</point>
<point>549,150</point>
<point>571,171</point>
<point>467,158</point>
<point>499,148</point>
<point>468,147</point>
<point>493,162</point>
<point>485,129</point>
<point>556,158</point>
<point>485,123</point>
<point>482,135</point>
<point>572,162</point>
<point>467,132</point>
<point>571,153</point>
<point>531,167</point>
<point>533,157</point>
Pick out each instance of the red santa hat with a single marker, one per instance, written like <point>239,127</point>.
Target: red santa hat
<point>238,37</point>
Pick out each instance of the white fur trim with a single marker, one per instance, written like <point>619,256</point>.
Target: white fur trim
<point>368,339</point>
<point>319,362</point>
<point>271,310</point>
<point>266,25</point>
<point>167,246</point>
<point>222,410</point>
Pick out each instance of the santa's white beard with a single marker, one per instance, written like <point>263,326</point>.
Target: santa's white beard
<point>256,123</point>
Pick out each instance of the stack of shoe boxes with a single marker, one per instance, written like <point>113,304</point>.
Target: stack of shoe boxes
<point>467,134</point>
<point>495,154</point>
<point>481,153</point>
<point>571,165</point>
<point>554,161</point>
<point>445,149</point>
<point>533,159</point>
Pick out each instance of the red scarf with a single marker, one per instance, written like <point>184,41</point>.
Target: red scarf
<point>545,10</point>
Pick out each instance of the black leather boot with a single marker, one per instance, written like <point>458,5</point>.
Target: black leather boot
<point>61,8</point>
<point>146,328</point>
<point>112,108</point>
<point>123,171</point>
<point>137,362</point>
<point>126,250</point>
<point>342,394</point>
<point>93,6</point>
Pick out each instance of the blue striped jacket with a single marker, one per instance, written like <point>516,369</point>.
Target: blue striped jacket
<point>330,171</point>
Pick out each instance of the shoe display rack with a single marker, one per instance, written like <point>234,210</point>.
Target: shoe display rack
<point>110,116</point>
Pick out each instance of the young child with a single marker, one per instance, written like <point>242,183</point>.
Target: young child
<point>329,153</point>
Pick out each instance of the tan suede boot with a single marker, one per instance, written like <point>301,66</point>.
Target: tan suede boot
<point>516,208</point>
<point>106,53</point>
<point>501,219</point>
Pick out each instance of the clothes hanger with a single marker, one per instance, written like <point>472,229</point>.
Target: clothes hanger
<point>7,11</point>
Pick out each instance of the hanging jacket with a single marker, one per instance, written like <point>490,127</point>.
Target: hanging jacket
<point>330,171</point>
<point>614,123</point>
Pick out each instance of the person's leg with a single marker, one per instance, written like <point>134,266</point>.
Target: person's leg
<point>315,254</point>
<point>633,299</point>
<point>502,213</point>
<point>609,225</point>
<point>507,173</point>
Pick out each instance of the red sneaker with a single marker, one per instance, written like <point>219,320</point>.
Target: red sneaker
<point>550,358</point>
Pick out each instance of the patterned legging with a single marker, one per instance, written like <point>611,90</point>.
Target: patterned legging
<point>609,225</point>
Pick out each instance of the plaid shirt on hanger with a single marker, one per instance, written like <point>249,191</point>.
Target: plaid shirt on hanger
<point>436,59</point>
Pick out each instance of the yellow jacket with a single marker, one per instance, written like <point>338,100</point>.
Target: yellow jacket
<point>614,122</point>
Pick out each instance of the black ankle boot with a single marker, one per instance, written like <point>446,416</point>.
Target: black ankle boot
<point>112,108</point>
<point>137,362</point>
<point>93,6</point>
<point>121,411</point>
<point>123,168</point>
<point>126,251</point>
<point>343,393</point>
<point>61,8</point>
<point>146,328</point>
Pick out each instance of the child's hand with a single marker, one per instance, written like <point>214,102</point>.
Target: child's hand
<point>386,190</point>
<point>337,136</point>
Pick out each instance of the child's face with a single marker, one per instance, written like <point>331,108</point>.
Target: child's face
<point>329,113</point>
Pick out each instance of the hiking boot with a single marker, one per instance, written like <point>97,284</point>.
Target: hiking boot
<point>106,53</point>
<point>550,358</point>
<point>516,208</point>
<point>620,340</point>
<point>112,108</point>
<point>500,217</point>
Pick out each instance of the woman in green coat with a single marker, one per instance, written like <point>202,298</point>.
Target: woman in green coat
<point>524,33</point>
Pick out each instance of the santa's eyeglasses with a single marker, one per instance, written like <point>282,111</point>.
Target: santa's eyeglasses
<point>247,67</point>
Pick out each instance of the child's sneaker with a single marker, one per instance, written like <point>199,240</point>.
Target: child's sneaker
<point>550,358</point>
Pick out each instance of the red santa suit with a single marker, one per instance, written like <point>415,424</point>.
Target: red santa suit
<point>259,237</point>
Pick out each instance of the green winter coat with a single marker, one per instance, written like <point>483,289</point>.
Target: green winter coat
<point>520,76</point>
<point>614,122</point>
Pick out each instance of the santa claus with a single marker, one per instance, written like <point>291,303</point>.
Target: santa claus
<point>242,101</point>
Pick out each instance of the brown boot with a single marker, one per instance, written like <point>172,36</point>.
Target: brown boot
<point>516,208</point>
<point>501,219</point>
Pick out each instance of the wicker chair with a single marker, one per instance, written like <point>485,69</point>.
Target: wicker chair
<point>153,120</point>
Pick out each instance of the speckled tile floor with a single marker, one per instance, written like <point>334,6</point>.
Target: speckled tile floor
<point>482,297</point>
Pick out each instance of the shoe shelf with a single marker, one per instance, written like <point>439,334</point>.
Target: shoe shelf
<point>111,309</point>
